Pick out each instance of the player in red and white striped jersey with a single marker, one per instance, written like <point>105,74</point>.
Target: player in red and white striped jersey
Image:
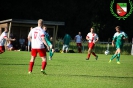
<point>3,39</point>
<point>36,36</point>
<point>92,39</point>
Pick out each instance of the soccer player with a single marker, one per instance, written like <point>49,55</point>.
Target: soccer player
<point>66,41</point>
<point>118,40</point>
<point>47,39</point>
<point>78,39</point>
<point>3,39</point>
<point>36,36</point>
<point>10,46</point>
<point>92,38</point>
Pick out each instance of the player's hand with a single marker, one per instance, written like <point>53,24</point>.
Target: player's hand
<point>13,39</point>
<point>124,38</point>
<point>48,48</point>
<point>113,44</point>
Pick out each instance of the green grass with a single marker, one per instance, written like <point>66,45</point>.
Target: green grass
<point>66,70</point>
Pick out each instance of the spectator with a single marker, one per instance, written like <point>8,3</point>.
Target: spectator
<point>22,43</point>
<point>66,41</point>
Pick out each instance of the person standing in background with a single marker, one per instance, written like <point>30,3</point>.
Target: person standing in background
<point>78,39</point>
<point>66,41</point>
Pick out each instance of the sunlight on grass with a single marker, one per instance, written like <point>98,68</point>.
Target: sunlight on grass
<point>66,70</point>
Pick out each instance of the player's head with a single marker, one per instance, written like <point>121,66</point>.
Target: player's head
<point>31,28</point>
<point>79,33</point>
<point>44,28</point>
<point>40,22</point>
<point>6,30</point>
<point>118,28</point>
<point>92,29</point>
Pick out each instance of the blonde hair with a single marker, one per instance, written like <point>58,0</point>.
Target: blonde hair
<point>40,22</point>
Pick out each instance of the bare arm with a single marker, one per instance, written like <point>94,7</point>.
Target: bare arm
<point>113,43</point>
<point>8,39</point>
<point>45,43</point>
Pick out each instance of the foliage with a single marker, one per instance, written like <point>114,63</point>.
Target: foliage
<point>99,47</point>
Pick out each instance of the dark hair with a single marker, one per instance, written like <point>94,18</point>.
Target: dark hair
<point>93,28</point>
<point>118,27</point>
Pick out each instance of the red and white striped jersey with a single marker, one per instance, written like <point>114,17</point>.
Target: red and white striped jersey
<point>92,37</point>
<point>2,38</point>
<point>36,41</point>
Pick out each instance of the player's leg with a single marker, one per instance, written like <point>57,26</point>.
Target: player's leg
<point>42,53</point>
<point>51,52</point>
<point>113,56</point>
<point>80,48</point>
<point>33,56</point>
<point>63,48</point>
<point>89,52</point>
<point>118,54</point>
<point>2,49</point>
<point>67,48</point>
<point>93,53</point>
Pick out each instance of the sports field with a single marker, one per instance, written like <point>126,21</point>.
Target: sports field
<point>66,70</point>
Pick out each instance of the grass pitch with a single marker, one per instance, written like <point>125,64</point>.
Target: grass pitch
<point>66,70</point>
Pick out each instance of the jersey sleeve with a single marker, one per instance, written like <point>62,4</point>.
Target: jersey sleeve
<point>114,37</point>
<point>97,36</point>
<point>30,34</point>
<point>124,34</point>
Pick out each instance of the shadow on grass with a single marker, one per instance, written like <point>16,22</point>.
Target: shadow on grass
<point>88,76</point>
<point>25,64</point>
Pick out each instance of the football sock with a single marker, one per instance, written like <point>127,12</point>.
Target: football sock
<point>88,56</point>
<point>51,53</point>
<point>44,63</point>
<point>113,56</point>
<point>93,53</point>
<point>118,57</point>
<point>31,64</point>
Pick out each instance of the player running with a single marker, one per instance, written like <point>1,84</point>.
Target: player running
<point>118,40</point>
<point>3,39</point>
<point>92,39</point>
<point>47,39</point>
<point>36,36</point>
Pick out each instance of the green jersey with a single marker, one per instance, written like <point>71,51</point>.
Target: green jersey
<point>118,38</point>
<point>47,38</point>
<point>67,39</point>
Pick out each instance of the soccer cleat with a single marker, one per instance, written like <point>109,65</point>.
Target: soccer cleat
<point>109,61</point>
<point>96,57</point>
<point>87,58</point>
<point>118,62</point>
<point>29,72</point>
<point>50,58</point>
<point>43,72</point>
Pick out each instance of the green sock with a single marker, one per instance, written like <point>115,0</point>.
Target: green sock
<point>50,53</point>
<point>113,56</point>
<point>118,57</point>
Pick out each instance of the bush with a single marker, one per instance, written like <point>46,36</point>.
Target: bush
<point>99,48</point>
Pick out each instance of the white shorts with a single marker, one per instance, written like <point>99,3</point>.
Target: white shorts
<point>65,47</point>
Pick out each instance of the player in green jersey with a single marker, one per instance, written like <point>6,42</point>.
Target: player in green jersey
<point>47,38</point>
<point>118,40</point>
